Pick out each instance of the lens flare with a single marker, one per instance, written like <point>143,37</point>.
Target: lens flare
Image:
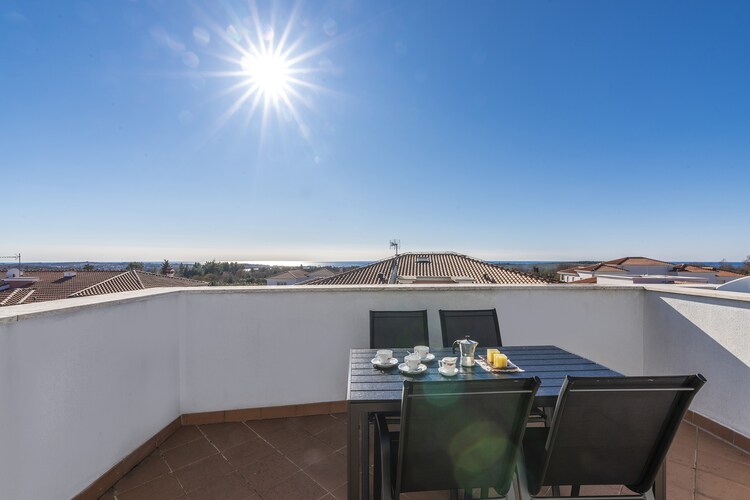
<point>273,71</point>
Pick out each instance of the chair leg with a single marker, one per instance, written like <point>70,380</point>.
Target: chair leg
<point>382,481</point>
<point>575,490</point>
<point>520,481</point>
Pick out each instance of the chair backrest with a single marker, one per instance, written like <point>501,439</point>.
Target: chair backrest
<point>615,430</point>
<point>481,325</point>
<point>398,329</point>
<point>462,434</point>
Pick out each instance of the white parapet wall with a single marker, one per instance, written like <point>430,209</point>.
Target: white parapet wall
<point>83,382</point>
<point>265,347</point>
<point>708,332</point>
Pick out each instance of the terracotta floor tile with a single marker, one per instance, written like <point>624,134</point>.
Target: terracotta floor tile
<point>428,495</point>
<point>314,423</point>
<point>189,453</point>
<point>263,475</point>
<point>330,472</point>
<point>266,427</point>
<point>231,487</point>
<point>341,492</point>
<point>335,436</point>
<point>181,436</point>
<point>680,476</point>
<point>601,490</point>
<point>305,452</point>
<point>299,486</point>
<point>710,444</point>
<point>150,468</point>
<point>714,486</point>
<point>161,488</point>
<point>247,452</point>
<point>265,472</point>
<point>683,447</point>
<point>287,437</point>
<point>108,495</point>
<point>733,470</point>
<point>674,493</point>
<point>202,472</point>
<point>228,434</point>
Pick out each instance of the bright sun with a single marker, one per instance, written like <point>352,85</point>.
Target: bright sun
<point>274,73</point>
<point>268,74</point>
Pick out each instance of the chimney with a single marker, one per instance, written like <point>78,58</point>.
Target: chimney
<point>394,271</point>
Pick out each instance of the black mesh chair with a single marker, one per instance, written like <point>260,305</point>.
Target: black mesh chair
<point>455,435</point>
<point>608,431</point>
<point>399,329</point>
<point>481,325</point>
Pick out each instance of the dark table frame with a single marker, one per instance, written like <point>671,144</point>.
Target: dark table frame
<point>370,390</point>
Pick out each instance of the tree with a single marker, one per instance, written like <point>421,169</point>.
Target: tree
<point>132,266</point>
<point>88,267</point>
<point>165,267</point>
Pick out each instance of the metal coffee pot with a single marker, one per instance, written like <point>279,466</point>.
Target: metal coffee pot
<point>467,347</point>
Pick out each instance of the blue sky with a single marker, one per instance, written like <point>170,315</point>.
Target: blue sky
<point>505,130</point>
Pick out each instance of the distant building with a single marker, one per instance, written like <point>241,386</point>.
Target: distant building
<point>641,270</point>
<point>18,287</point>
<point>296,276</point>
<point>428,268</point>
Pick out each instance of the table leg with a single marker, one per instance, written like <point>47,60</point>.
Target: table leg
<point>358,454</point>
<point>364,454</point>
<point>352,450</point>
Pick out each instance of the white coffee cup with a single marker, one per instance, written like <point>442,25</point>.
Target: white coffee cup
<point>448,364</point>
<point>383,355</point>
<point>421,350</point>
<point>412,361</point>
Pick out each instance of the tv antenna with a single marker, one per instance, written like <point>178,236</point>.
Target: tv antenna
<point>396,244</point>
<point>14,257</point>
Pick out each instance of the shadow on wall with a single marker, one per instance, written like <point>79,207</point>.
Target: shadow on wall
<point>687,334</point>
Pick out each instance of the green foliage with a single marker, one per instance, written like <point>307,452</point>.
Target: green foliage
<point>132,266</point>
<point>229,273</point>
<point>88,267</point>
<point>165,267</point>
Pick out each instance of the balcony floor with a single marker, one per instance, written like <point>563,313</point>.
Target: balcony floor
<point>305,458</point>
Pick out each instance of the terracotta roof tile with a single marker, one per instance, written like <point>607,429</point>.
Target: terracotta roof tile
<point>433,265</point>
<point>729,274</point>
<point>52,285</point>
<point>583,281</point>
<point>691,268</point>
<point>637,261</point>
<point>604,268</point>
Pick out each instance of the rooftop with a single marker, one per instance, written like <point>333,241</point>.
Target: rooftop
<point>443,267</point>
<point>40,286</point>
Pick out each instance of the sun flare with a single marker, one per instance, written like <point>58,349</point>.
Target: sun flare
<point>268,73</point>
<point>274,70</point>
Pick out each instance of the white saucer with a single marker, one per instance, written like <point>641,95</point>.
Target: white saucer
<point>404,368</point>
<point>428,358</point>
<point>388,364</point>
<point>445,373</point>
